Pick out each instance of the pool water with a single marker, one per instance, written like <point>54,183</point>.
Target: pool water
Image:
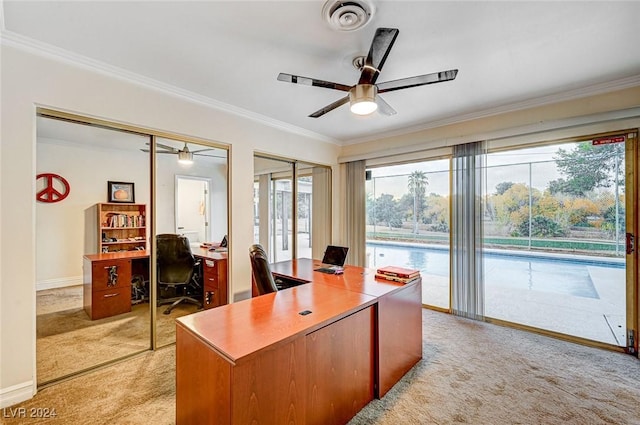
<point>569,277</point>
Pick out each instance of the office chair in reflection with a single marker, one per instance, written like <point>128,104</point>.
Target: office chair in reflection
<point>176,271</point>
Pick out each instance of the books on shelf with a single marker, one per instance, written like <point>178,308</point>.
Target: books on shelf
<point>125,220</point>
<point>397,274</point>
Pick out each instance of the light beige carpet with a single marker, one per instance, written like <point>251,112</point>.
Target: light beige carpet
<point>68,341</point>
<point>471,373</point>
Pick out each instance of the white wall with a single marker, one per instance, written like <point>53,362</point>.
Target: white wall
<point>63,228</point>
<point>29,80</point>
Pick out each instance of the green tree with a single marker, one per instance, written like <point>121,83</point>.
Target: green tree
<point>385,210</point>
<point>514,202</point>
<point>437,213</point>
<point>609,216</point>
<point>418,182</point>
<point>501,188</point>
<point>541,226</point>
<point>587,167</point>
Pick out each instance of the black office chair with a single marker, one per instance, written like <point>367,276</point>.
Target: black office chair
<point>260,271</point>
<point>176,269</point>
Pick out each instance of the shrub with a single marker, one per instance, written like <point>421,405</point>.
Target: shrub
<point>541,226</point>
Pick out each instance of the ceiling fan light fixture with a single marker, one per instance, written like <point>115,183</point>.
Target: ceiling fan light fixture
<point>185,157</point>
<point>362,99</point>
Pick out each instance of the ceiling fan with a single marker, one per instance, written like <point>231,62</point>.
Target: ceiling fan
<point>185,156</point>
<point>364,96</point>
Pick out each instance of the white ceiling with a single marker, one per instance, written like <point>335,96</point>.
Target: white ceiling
<point>509,54</point>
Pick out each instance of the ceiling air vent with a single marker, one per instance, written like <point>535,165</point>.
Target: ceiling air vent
<point>347,15</point>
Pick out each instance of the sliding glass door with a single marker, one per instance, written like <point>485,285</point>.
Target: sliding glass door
<point>553,230</point>
<point>408,223</point>
<point>554,238</point>
<point>292,208</point>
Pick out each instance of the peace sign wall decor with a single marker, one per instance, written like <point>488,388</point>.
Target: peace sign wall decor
<point>56,188</point>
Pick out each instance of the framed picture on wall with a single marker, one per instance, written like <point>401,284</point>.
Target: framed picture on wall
<point>120,192</point>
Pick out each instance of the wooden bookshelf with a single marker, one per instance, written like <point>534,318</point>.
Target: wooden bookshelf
<point>121,227</point>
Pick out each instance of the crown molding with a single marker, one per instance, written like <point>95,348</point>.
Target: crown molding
<point>15,40</point>
<point>578,93</point>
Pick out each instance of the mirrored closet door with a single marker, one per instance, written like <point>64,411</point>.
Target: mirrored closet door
<point>92,213</point>
<point>191,235</point>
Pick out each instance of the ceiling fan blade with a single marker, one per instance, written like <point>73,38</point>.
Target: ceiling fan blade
<point>147,150</point>
<point>420,80</point>
<point>297,79</point>
<point>211,156</point>
<point>380,47</point>
<point>169,148</point>
<point>383,107</point>
<point>203,150</point>
<point>330,107</point>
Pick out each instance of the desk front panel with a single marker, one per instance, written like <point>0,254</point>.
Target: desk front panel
<point>203,382</point>
<point>399,334</point>
<point>340,364</point>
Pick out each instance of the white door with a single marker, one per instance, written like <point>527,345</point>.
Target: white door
<point>192,212</point>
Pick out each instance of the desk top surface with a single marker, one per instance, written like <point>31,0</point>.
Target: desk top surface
<point>124,255</point>
<point>354,278</point>
<point>240,329</point>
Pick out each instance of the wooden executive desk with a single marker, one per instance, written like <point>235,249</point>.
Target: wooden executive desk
<point>105,296</point>
<point>262,361</point>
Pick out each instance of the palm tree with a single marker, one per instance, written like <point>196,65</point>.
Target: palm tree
<point>418,182</point>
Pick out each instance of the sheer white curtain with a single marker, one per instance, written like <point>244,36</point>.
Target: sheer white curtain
<point>355,212</point>
<point>321,211</point>
<point>467,271</point>
<point>264,212</point>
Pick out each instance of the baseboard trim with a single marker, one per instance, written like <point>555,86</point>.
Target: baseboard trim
<point>61,282</point>
<point>16,394</point>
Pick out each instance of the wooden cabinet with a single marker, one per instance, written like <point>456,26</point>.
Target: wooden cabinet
<point>214,276</point>
<point>121,227</point>
<point>106,287</point>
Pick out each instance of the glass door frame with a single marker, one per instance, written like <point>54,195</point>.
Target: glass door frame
<point>632,180</point>
<point>293,175</point>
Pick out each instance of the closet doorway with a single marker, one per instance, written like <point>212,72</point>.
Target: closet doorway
<point>68,339</point>
<point>121,194</point>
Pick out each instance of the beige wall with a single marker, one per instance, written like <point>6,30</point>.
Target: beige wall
<point>29,81</point>
<point>603,112</point>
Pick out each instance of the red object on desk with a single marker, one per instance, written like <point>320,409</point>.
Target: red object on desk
<point>398,271</point>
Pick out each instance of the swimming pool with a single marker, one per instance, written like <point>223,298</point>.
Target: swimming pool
<point>562,275</point>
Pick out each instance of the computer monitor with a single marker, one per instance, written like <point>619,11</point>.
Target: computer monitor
<point>335,255</point>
